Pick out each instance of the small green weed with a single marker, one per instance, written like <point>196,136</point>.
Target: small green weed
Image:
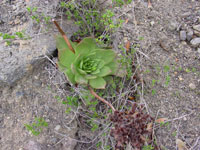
<point>20,35</point>
<point>174,133</point>
<point>153,92</point>
<point>166,68</point>
<point>148,147</point>
<point>167,80</point>
<point>10,37</point>
<point>120,3</point>
<point>7,36</point>
<point>107,147</point>
<point>180,68</point>
<point>98,144</point>
<point>153,82</point>
<point>37,17</point>
<point>93,124</point>
<point>187,70</point>
<point>164,124</point>
<point>90,19</point>
<point>36,127</point>
<point>194,70</point>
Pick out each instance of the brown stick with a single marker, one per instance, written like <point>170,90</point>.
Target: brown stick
<point>101,99</point>
<point>64,36</point>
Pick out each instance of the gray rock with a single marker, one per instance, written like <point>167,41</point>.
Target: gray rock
<point>195,42</point>
<point>173,25</point>
<point>22,56</point>
<point>166,44</point>
<point>196,27</point>
<point>183,35</point>
<point>3,14</point>
<point>190,34</point>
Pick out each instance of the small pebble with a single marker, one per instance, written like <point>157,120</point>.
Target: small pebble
<point>180,78</point>
<point>183,35</point>
<point>19,93</point>
<point>198,50</point>
<point>152,23</point>
<point>17,21</point>
<point>192,86</point>
<point>196,27</point>
<point>186,14</point>
<point>54,140</point>
<point>190,34</point>
<point>173,25</point>
<point>195,42</point>
<point>125,39</point>
<point>197,33</point>
<point>57,127</point>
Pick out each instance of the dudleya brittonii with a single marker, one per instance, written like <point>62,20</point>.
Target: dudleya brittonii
<point>89,65</point>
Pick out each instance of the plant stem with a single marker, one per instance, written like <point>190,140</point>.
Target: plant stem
<point>101,99</point>
<point>64,36</point>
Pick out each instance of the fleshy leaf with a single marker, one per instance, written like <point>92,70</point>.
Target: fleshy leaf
<point>104,71</point>
<point>113,66</point>
<point>65,55</point>
<point>98,83</point>
<point>95,72</point>
<point>90,77</point>
<point>82,71</point>
<point>61,67</point>
<point>108,79</point>
<point>86,46</point>
<point>117,69</point>
<point>70,76</point>
<point>101,64</point>
<point>80,79</point>
<point>106,55</point>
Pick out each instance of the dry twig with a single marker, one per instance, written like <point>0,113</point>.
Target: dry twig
<point>101,99</point>
<point>64,36</point>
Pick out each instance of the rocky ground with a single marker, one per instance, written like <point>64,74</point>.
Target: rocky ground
<point>169,39</point>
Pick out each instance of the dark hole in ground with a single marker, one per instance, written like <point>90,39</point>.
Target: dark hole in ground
<point>54,54</point>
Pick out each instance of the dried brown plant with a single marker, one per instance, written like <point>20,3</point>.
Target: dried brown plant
<point>134,127</point>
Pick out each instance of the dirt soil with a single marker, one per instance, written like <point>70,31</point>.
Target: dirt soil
<point>170,69</point>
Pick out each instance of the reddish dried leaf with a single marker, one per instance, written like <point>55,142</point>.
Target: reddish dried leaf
<point>149,126</point>
<point>128,44</point>
<point>181,145</point>
<point>161,120</point>
<point>126,21</point>
<point>131,97</point>
<point>131,127</point>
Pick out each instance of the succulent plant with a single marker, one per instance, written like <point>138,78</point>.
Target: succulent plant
<point>89,64</point>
